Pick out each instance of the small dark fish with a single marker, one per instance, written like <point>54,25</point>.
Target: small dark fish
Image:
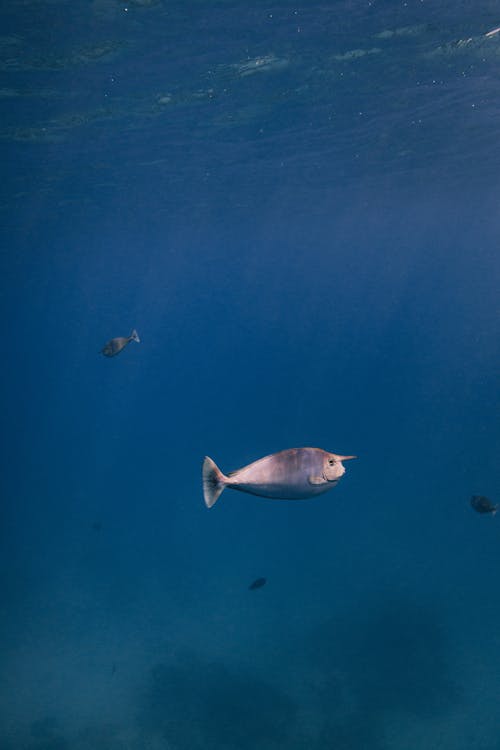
<point>483,504</point>
<point>96,526</point>
<point>113,669</point>
<point>114,347</point>
<point>257,584</point>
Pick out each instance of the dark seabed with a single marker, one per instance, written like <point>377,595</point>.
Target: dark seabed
<point>297,207</point>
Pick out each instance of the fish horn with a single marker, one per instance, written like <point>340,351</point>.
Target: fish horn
<point>343,458</point>
<point>214,482</point>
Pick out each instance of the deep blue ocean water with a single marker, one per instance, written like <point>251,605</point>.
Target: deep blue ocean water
<point>298,208</point>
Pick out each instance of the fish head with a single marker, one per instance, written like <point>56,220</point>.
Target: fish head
<point>333,468</point>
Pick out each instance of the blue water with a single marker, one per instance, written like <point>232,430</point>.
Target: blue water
<point>297,208</point>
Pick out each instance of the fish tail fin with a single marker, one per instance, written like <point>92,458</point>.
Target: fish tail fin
<point>134,336</point>
<point>214,482</point>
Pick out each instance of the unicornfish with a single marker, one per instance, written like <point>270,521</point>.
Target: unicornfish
<point>115,346</point>
<point>294,474</point>
<point>482,504</point>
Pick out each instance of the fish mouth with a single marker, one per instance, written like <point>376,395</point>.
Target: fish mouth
<point>331,481</point>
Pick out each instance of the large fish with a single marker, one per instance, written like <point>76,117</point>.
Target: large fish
<point>294,474</point>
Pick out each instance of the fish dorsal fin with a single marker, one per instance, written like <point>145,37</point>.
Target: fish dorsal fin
<point>316,480</point>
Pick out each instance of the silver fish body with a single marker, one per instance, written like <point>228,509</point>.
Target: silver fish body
<point>294,474</point>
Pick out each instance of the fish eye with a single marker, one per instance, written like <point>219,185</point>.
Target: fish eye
<point>331,461</point>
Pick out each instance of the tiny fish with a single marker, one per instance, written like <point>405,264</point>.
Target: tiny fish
<point>114,347</point>
<point>493,32</point>
<point>483,504</point>
<point>294,474</point>
<point>257,584</point>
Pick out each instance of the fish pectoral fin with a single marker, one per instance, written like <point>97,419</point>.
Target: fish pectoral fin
<point>316,480</point>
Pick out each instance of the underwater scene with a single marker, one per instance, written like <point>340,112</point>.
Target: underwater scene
<point>250,278</point>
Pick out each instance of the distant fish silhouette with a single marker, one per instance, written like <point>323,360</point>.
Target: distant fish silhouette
<point>97,526</point>
<point>483,504</point>
<point>257,584</point>
<point>294,474</point>
<point>114,347</point>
